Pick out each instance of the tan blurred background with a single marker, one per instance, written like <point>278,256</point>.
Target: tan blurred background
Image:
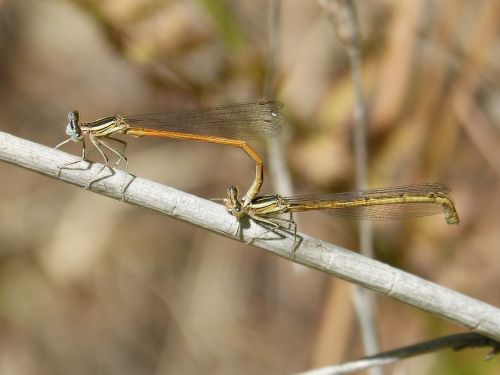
<point>91,285</point>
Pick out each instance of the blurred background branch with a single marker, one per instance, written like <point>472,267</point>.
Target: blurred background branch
<point>456,342</point>
<point>343,17</point>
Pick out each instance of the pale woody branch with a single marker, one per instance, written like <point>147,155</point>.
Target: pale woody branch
<point>335,260</point>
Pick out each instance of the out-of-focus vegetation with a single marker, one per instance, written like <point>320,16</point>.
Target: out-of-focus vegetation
<point>89,285</point>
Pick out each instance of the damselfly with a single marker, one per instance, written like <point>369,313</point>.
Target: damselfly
<point>375,204</point>
<point>228,125</point>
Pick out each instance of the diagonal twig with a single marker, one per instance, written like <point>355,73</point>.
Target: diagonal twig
<point>473,314</point>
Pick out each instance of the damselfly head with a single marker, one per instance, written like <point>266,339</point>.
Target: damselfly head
<point>73,128</point>
<point>233,202</point>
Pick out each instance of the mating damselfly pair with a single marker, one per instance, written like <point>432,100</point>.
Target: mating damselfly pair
<point>235,124</point>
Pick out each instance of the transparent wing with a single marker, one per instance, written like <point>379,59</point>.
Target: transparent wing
<point>378,204</point>
<point>393,211</point>
<point>241,120</point>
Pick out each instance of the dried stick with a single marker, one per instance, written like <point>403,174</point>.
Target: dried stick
<point>475,315</point>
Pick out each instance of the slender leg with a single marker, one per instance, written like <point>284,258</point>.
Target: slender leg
<point>62,143</point>
<point>96,142</point>
<point>275,223</point>
<point>64,166</point>
<point>121,155</point>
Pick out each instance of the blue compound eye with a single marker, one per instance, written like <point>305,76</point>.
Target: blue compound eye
<point>69,130</point>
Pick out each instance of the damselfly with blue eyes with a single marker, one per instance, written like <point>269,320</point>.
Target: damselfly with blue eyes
<point>375,204</point>
<point>230,125</point>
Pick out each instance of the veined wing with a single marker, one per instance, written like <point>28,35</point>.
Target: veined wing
<point>238,121</point>
<point>380,204</point>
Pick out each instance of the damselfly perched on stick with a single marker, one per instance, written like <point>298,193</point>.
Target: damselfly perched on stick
<point>376,204</point>
<point>230,125</point>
